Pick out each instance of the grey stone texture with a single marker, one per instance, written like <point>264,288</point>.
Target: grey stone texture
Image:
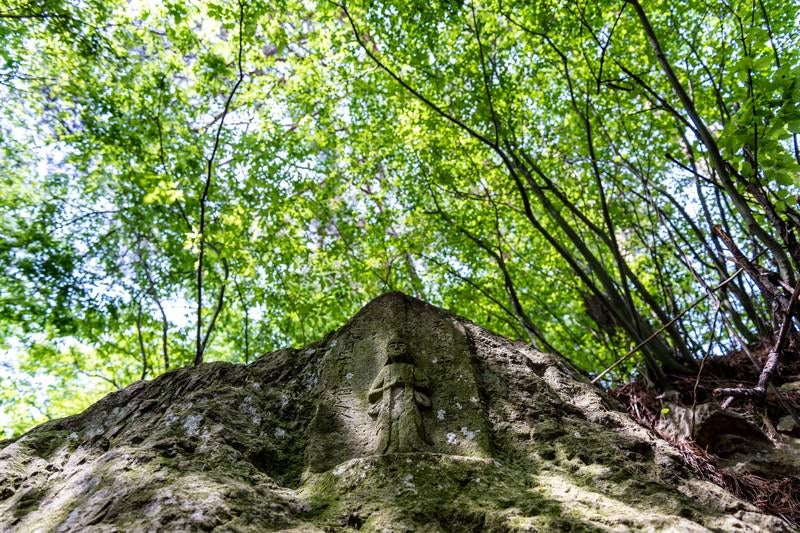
<point>408,418</point>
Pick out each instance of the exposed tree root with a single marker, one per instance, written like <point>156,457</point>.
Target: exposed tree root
<point>777,494</point>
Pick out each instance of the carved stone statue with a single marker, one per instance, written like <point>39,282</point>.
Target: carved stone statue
<point>397,394</point>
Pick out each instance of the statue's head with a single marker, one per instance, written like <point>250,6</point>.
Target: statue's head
<point>397,351</point>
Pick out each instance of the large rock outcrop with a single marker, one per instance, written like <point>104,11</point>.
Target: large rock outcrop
<point>408,418</point>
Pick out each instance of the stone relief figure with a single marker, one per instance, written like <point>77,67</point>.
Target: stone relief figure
<point>397,394</point>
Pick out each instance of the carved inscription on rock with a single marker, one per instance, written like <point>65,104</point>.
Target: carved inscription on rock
<point>397,380</point>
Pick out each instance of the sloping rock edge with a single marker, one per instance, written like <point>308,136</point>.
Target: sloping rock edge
<point>222,447</point>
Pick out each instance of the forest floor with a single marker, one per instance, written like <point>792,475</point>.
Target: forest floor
<point>759,475</point>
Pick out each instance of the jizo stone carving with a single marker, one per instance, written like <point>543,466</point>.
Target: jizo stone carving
<point>396,396</point>
<point>399,379</point>
<point>497,435</point>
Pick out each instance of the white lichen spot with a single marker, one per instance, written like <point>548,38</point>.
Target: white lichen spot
<point>440,414</point>
<point>73,436</point>
<point>408,483</point>
<point>255,385</point>
<point>459,406</point>
<point>469,435</point>
<point>208,434</point>
<point>280,433</point>
<point>300,507</point>
<point>408,461</point>
<point>250,410</point>
<point>284,402</point>
<point>192,425</point>
<point>474,400</point>
<point>311,381</point>
<point>340,470</point>
<point>578,435</point>
<point>197,516</point>
<point>349,376</point>
<point>434,360</point>
<point>333,342</point>
<point>477,480</point>
<point>311,351</point>
<point>451,438</point>
<point>95,432</point>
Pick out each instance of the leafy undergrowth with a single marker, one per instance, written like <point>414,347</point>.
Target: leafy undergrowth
<point>777,493</point>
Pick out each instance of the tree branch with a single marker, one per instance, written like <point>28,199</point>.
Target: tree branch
<point>141,340</point>
<point>200,339</point>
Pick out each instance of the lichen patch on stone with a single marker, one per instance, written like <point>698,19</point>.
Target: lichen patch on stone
<point>287,443</point>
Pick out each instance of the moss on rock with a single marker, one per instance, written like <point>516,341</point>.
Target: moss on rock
<point>515,440</point>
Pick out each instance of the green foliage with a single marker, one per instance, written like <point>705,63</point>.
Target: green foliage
<point>373,147</point>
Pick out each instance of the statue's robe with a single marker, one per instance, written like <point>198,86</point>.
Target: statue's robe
<point>397,394</point>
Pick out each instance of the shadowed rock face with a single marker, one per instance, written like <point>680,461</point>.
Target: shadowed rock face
<point>398,378</point>
<point>406,419</point>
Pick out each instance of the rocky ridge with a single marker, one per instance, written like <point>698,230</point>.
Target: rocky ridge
<point>408,418</point>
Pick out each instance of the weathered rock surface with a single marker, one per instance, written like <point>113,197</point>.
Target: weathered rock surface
<point>406,419</point>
